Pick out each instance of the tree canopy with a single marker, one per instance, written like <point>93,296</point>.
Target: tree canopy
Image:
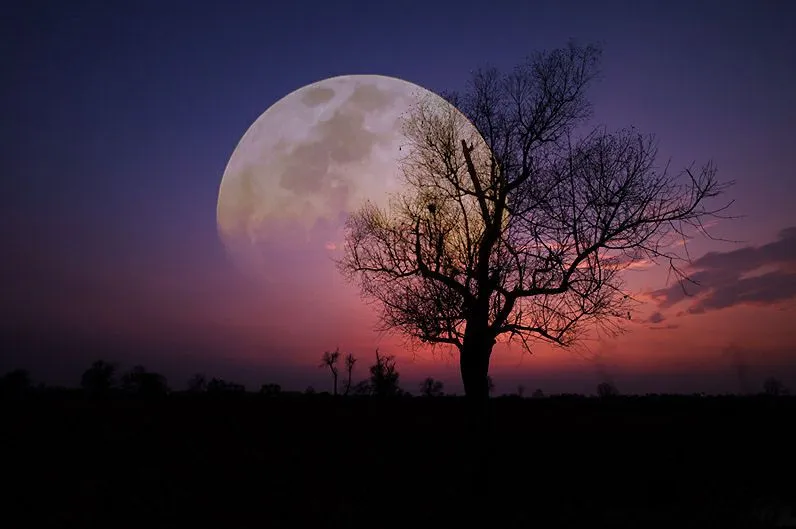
<point>511,225</point>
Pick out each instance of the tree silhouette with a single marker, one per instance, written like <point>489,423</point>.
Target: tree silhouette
<point>607,389</point>
<point>431,388</point>
<point>384,376</point>
<point>508,226</point>
<point>773,386</point>
<point>144,383</point>
<point>520,391</point>
<point>16,383</point>
<point>490,385</point>
<point>218,385</point>
<point>98,379</point>
<point>329,359</point>
<point>350,360</point>
<point>197,383</point>
<point>538,394</point>
<point>270,389</point>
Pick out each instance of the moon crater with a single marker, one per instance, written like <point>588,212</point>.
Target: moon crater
<point>309,160</point>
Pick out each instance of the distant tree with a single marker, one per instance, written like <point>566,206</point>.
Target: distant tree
<point>140,381</point>
<point>309,391</point>
<point>538,394</point>
<point>512,227</point>
<point>520,391</point>
<point>350,360</point>
<point>773,387</point>
<point>329,359</point>
<point>217,385</point>
<point>490,385</point>
<point>270,389</point>
<point>98,379</point>
<point>431,388</point>
<point>16,383</point>
<point>607,389</point>
<point>197,383</point>
<point>384,376</point>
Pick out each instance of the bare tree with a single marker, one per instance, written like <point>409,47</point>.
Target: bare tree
<point>329,359</point>
<point>511,228</point>
<point>431,387</point>
<point>350,360</point>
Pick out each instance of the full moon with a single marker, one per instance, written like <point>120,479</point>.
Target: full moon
<point>308,161</point>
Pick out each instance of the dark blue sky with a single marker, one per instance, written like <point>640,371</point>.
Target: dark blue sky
<point>118,123</point>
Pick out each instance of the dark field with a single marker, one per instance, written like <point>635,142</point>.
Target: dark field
<point>253,461</point>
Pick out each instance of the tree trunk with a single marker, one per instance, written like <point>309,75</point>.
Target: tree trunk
<point>474,361</point>
<point>474,364</point>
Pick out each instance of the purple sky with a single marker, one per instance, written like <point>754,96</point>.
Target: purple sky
<point>118,123</point>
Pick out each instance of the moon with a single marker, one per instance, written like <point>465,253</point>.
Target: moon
<point>308,161</point>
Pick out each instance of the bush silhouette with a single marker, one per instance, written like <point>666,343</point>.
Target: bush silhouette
<point>270,389</point>
<point>218,385</point>
<point>139,381</point>
<point>384,376</point>
<point>197,383</point>
<point>431,388</point>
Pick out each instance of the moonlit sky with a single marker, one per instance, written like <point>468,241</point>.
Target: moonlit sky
<point>118,123</point>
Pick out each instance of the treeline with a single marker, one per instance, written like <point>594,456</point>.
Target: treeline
<point>103,379</point>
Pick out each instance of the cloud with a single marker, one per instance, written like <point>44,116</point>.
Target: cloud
<point>656,317</point>
<point>641,264</point>
<point>752,275</point>
<point>667,327</point>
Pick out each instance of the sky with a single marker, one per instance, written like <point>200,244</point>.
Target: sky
<point>119,120</point>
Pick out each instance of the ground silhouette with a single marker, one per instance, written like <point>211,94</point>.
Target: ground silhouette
<point>232,458</point>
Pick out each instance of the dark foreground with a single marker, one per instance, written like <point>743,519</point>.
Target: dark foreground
<point>252,461</point>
